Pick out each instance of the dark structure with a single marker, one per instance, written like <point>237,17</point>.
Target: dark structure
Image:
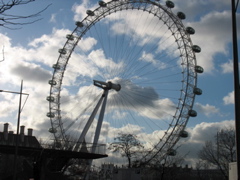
<point>32,159</point>
<point>236,81</point>
<point>174,172</point>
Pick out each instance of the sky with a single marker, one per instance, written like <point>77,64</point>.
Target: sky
<point>28,54</point>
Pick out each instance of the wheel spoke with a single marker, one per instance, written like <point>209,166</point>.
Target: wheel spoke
<point>142,54</point>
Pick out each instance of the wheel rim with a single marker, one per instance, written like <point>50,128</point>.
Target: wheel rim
<point>131,61</point>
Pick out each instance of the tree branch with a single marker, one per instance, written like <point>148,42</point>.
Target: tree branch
<point>7,20</point>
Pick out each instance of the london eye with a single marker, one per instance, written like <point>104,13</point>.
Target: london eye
<point>128,67</point>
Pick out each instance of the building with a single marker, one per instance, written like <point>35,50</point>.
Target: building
<point>111,172</point>
<point>33,159</point>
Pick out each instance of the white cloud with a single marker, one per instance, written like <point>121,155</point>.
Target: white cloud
<point>53,18</point>
<point>193,9</point>
<point>229,99</point>
<point>6,41</point>
<point>32,64</point>
<point>9,105</point>
<point>199,134</point>
<point>213,21</point>
<point>206,131</point>
<point>227,67</point>
<point>150,58</point>
<point>119,114</point>
<point>87,43</point>
<point>27,63</point>
<point>80,9</point>
<point>212,43</point>
<point>45,48</point>
<point>143,100</point>
<point>105,66</point>
<point>31,72</point>
<point>190,146</point>
<point>207,109</point>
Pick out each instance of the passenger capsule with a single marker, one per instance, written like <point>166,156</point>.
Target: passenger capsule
<point>170,4</point>
<point>56,66</point>
<point>197,91</point>
<point>50,114</point>
<point>199,69</point>
<point>190,30</point>
<point>52,82</point>
<point>102,4</point>
<point>183,134</point>
<point>52,130</point>
<point>181,15</point>
<point>90,13</point>
<point>172,152</point>
<point>192,113</point>
<point>70,37</point>
<point>62,51</point>
<point>196,48</point>
<point>79,24</point>
<point>50,99</point>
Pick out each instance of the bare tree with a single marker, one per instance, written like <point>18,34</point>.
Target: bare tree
<point>128,145</point>
<point>8,20</point>
<point>220,152</point>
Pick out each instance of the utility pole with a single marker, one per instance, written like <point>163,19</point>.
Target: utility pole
<point>236,83</point>
<point>17,135</point>
<point>18,124</point>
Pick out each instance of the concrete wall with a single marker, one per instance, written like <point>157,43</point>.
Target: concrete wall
<point>233,171</point>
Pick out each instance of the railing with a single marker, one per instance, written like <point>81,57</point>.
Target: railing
<point>71,146</point>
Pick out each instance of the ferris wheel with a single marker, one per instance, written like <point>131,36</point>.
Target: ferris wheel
<point>128,67</point>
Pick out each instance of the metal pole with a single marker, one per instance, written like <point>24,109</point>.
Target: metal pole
<point>88,124</point>
<point>13,92</point>
<point>236,84</point>
<point>17,135</point>
<point>100,121</point>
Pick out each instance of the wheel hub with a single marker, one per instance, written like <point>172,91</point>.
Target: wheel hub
<point>107,85</point>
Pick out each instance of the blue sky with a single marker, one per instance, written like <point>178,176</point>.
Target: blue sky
<point>30,52</point>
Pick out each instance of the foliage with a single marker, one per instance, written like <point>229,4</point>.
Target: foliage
<point>128,145</point>
<point>7,19</point>
<point>220,152</point>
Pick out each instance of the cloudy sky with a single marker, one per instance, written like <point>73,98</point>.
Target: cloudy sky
<point>133,49</point>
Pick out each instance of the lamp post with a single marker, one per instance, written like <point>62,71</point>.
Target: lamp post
<point>18,124</point>
<point>236,83</point>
